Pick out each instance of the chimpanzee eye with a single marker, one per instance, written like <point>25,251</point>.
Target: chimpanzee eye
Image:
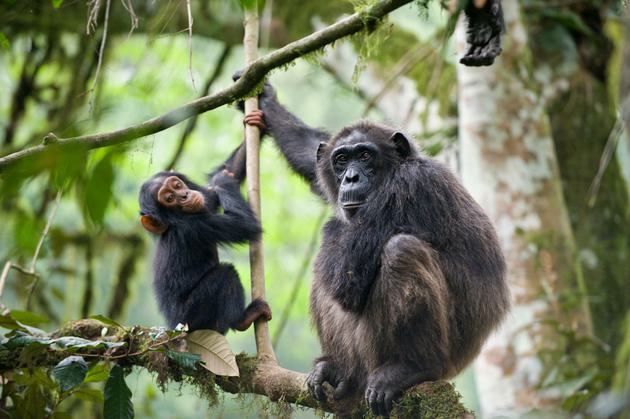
<point>178,185</point>
<point>365,156</point>
<point>341,158</point>
<point>170,198</point>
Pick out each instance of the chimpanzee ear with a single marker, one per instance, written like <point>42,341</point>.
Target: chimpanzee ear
<point>320,150</point>
<point>403,147</point>
<point>152,225</point>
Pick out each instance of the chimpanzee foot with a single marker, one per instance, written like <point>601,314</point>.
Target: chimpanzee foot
<point>387,384</point>
<point>257,309</point>
<point>325,371</point>
<point>381,393</point>
<point>481,55</point>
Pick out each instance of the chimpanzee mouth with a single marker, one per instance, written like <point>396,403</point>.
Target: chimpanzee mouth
<point>194,203</point>
<point>352,205</point>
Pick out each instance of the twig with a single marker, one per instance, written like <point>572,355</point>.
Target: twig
<point>609,150</point>
<point>51,217</point>
<point>299,279</point>
<point>192,122</point>
<point>101,51</point>
<point>190,25</point>
<point>93,7</point>
<point>250,78</point>
<point>252,150</point>
<point>132,15</point>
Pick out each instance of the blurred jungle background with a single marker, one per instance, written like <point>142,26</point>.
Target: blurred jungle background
<point>540,139</point>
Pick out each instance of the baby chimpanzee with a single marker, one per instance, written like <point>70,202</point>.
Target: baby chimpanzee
<point>192,286</point>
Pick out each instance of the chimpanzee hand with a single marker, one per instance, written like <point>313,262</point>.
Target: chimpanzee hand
<point>325,371</point>
<point>268,93</point>
<point>257,119</point>
<point>485,27</point>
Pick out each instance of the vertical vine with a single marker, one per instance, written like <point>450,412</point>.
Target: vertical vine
<point>252,141</point>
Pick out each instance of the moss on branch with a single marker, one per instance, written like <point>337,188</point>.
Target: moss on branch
<point>147,348</point>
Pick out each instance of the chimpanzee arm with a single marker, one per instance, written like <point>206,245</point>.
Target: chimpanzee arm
<point>297,141</point>
<point>238,223</point>
<point>236,164</point>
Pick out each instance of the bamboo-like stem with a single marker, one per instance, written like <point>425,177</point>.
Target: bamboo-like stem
<point>252,141</point>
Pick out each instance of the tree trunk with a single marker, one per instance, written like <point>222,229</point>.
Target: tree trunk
<point>510,167</point>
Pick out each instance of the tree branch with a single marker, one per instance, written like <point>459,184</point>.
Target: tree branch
<point>144,347</point>
<point>250,78</point>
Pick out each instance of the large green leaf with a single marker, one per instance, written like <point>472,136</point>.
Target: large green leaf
<point>117,396</point>
<point>70,372</point>
<point>29,318</point>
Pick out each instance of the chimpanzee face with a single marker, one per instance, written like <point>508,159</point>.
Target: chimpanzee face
<point>175,194</point>
<point>355,165</point>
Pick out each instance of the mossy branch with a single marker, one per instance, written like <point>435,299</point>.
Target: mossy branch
<point>260,376</point>
<point>251,77</point>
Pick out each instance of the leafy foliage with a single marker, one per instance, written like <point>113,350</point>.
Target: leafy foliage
<point>70,372</point>
<point>117,396</point>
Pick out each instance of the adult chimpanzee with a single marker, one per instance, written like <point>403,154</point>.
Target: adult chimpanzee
<point>409,280</point>
<point>191,285</point>
<point>485,27</point>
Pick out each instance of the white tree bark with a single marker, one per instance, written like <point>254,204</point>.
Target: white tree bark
<point>509,165</point>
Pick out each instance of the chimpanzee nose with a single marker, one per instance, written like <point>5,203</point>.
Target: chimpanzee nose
<point>352,176</point>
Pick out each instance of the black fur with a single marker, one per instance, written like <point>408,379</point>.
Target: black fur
<point>485,28</point>
<point>408,285</point>
<point>191,285</point>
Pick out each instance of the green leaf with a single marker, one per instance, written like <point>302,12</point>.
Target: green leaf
<point>117,403</point>
<point>29,318</point>
<point>98,189</point>
<point>73,342</point>
<point>214,350</point>
<point>97,372</point>
<point>8,322</point>
<point>89,395</point>
<point>22,339</point>
<point>184,359</point>
<point>70,372</point>
<point>106,320</point>
<point>57,3</point>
